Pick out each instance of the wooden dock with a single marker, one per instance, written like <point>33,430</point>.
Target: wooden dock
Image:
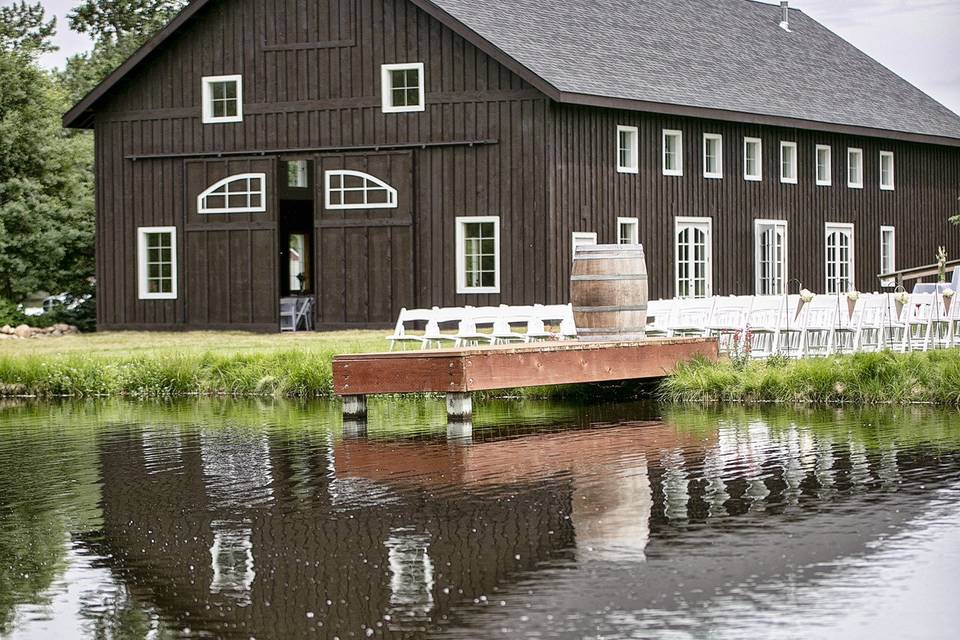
<point>459,372</point>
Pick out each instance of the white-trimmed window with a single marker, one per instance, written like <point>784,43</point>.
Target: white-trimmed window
<point>886,171</point>
<point>403,87</point>
<point>788,162</point>
<point>582,238</point>
<point>712,155</point>
<point>628,231</point>
<point>824,165</point>
<point>157,263</point>
<point>694,257</point>
<point>753,159</point>
<point>627,149</point>
<point>672,152</point>
<point>478,254</point>
<point>770,256</point>
<point>222,99</point>
<point>839,257</point>
<point>855,168</point>
<point>888,253</point>
<point>346,189</point>
<point>242,193</point>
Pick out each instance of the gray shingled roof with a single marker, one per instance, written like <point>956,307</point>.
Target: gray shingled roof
<point>718,54</point>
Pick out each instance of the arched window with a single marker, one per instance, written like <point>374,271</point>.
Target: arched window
<point>356,190</point>
<point>242,193</point>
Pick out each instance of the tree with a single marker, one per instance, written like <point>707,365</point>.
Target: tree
<point>46,184</point>
<point>24,28</point>
<point>118,20</point>
<point>118,28</point>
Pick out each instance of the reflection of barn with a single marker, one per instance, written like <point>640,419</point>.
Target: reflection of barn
<point>247,533</point>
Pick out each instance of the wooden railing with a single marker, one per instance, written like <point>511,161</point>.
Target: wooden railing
<point>916,273</point>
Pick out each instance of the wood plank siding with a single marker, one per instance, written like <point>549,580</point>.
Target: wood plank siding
<point>311,76</point>
<point>591,195</point>
<point>487,144</point>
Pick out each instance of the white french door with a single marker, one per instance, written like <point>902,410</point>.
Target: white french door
<point>694,257</point>
<point>839,258</point>
<point>771,257</point>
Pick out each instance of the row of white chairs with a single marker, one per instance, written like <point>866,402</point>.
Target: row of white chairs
<point>474,326</point>
<point>827,324</point>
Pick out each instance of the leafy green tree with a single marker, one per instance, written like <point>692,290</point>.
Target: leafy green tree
<point>46,178</point>
<point>118,28</point>
<point>24,27</point>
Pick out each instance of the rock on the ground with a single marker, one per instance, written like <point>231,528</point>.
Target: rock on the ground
<point>23,331</point>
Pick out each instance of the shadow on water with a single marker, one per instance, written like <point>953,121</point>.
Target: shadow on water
<point>274,519</point>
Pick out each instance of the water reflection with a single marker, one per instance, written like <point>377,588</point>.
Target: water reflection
<point>258,520</point>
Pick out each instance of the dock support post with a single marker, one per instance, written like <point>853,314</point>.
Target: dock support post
<point>459,407</point>
<point>354,406</point>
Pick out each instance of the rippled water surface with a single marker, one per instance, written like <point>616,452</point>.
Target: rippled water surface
<point>540,520</point>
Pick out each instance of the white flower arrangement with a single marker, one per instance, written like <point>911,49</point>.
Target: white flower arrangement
<point>807,296</point>
<point>853,296</point>
<point>949,293</point>
<point>903,297</point>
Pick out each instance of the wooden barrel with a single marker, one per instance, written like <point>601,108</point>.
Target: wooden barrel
<point>608,289</point>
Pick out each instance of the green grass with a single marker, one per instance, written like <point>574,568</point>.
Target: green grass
<point>867,378</point>
<point>162,365</point>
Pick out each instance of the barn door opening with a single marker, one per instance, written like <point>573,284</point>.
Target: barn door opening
<point>296,222</point>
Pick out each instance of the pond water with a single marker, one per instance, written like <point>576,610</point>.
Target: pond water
<point>540,520</point>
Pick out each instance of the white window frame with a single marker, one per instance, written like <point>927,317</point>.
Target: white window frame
<point>843,227</point>
<point>673,133</point>
<point>893,181</point>
<point>386,87</point>
<point>680,222</point>
<point>759,226</point>
<point>851,153</point>
<point>207,97</point>
<point>634,237</point>
<point>884,230</point>
<point>391,202</point>
<point>202,207</point>
<point>757,177</point>
<point>718,174</point>
<point>633,133</point>
<point>828,181</point>
<point>461,222</point>
<point>142,272</point>
<point>784,177</point>
<point>581,238</point>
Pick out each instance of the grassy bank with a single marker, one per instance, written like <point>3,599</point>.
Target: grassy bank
<point>160,365</point>
<point>868,378</point>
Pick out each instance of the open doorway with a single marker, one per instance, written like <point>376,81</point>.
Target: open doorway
<point>297,287</point>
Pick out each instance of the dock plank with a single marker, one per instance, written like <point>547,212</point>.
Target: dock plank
<point>507,367</point>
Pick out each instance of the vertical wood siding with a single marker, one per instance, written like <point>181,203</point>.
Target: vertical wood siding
<point>312,80</point>
<point>591,195</point>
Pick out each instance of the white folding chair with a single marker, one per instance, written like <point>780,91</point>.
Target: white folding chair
<point>288,314</point>
<point>792,320</point>
<point>919,321</point>
<point>304,314</point>
<point>405,320</point>
<point>819,326</point>
<point>848,324</point>
<point>433,335</point>
<point>729,319</point>
<point>468,331</point>
<point>763,323</point>
<point>659,311</point>
<point>941,324</point>
<point>872,318</point>
<point>691,317</point>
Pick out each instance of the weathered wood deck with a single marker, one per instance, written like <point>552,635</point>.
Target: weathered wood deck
<point>459,372</point>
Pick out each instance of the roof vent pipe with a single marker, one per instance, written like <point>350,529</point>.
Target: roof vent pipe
<point>785,17</point>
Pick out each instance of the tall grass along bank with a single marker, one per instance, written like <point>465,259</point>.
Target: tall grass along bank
<point>866,378</point>
<point>171,365</point>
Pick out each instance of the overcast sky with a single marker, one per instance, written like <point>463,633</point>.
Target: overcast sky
<point>917,39</point>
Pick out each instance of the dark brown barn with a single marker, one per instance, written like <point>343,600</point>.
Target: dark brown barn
<point>379,154</point>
